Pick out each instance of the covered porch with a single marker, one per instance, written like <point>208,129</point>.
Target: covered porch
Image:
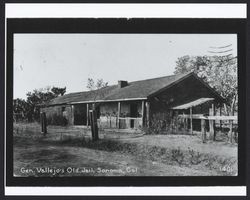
<point>204,115</point>
<point>129,114</point>
<point>185,114</point>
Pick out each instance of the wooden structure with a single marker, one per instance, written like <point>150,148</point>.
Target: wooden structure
<point>93,124</point>
<point>43,121</point>
<point>211,120</point>
<point>135,104</point>
<point>190,106</point>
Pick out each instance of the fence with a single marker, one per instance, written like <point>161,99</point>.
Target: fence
<point>211,122</point>
<point>121,122</point>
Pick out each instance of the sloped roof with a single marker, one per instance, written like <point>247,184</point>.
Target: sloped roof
<point>192,103</point>
<point>135,90</point>
<point>84,96</point>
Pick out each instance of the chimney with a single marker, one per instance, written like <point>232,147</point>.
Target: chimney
<point>122,84</point>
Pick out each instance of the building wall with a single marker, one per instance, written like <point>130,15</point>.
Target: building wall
<point>58,110</point>
<point>186,91</point>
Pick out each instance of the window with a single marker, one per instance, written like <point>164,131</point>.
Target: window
<point>63,109</point>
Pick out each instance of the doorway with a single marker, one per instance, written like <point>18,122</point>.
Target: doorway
<point>133,110</point>
<point>80,114</point>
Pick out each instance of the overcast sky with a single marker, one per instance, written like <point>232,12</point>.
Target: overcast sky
<point>60,60</point>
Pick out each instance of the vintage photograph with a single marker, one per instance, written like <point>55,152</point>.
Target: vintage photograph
<point>88,104</point>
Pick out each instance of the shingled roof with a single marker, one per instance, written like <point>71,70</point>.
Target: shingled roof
<point>134,90</point>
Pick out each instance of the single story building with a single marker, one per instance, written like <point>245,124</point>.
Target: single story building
<point>133,105</point>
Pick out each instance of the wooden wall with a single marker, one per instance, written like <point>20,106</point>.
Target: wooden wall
<point>58,110</point>
<point>186,91</point>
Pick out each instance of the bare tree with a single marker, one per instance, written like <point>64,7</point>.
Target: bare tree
<point>96,87</point>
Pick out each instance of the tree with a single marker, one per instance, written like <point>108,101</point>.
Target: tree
<point>20,108</point>
<point>58,91</point>
<point>100,83</point>
<point>31,107</point>
<point>92,85</point>
<point>220,72</point>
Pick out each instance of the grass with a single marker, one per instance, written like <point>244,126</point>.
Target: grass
<point>146,153</point>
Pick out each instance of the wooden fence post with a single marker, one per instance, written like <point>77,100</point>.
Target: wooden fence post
<point>231,130</point>
<point>93,123</point>
<point>87,115</point>
<point>203,130</point>
<point>220,120</point>
<point>191,121</point>
<point>43,123</point>
<point>185,124</point>
<point>73,114</point>
<point>142,112</point>
<point>211,124</point>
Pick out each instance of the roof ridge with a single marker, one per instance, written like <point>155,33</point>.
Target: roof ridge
<point>87,91</point>
<point>152,85</point>
<point>128,82</point>
<point>161,77</point>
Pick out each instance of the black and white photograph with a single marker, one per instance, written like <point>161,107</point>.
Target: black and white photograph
<point>88,104</point>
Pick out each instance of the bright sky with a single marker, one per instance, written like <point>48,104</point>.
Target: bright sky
<point>42,60</point>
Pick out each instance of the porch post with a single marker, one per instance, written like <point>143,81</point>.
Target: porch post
<point>211,123</point>
<point>72,113</point>
<point>231,130</point>
<point>203,130</point>
<point>184,122</point>
<point>87,115</point>
<point>142,112</point>
<point>118,115</point>
<point>220,115</point>
<point>148,112</point>
<point>191,120</point>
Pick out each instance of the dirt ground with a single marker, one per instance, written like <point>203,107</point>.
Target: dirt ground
<point>70,152</point>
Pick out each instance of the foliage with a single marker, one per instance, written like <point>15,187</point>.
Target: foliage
<point>220,72</point>
<point>158,123</point>
<point>20,106</point>
<point>178,155</point>
<point>98,84</point>
<point>30,108</point>
<point>195,157</point>
<point>92,85</point>
<point>58,91</point>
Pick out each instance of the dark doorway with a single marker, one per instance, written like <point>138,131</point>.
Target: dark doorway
<point>132,123</point>
<point>133,110</point>
<point>80,114</point>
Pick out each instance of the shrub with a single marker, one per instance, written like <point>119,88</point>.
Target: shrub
<point>159,122</point>
<point>195,157</point>
<point>57,120</point>
<point>177,155</point>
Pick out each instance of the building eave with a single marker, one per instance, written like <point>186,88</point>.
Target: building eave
<point>113,100</point>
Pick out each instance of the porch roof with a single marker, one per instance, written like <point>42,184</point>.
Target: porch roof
<point>192,103</point>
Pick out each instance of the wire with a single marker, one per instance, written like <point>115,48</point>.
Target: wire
<point>221,47</point>
<point>220,51</point>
